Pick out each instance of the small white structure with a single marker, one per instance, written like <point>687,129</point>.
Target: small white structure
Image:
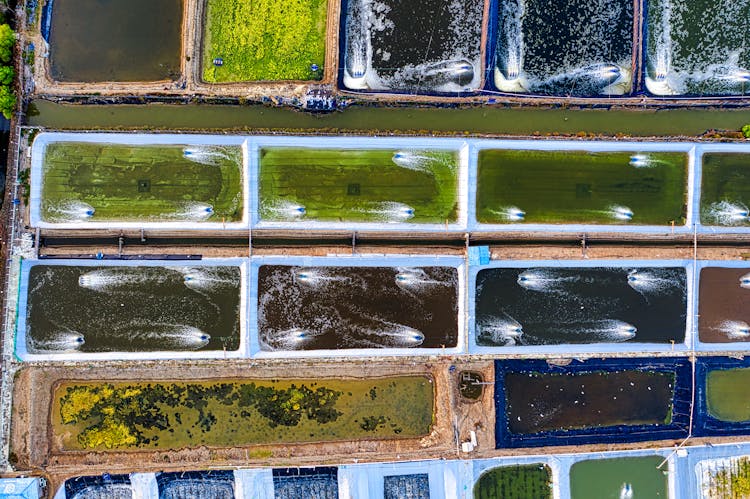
<point>20,488</point>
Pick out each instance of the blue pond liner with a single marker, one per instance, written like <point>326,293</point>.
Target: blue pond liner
<point>296,483</point>
<point>216,484</point>
<point>703,423</point>
<point>47,20</point>
<point>105,485</point>
<point>681,400</point>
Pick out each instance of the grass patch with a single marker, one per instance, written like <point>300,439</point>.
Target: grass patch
<point>229,413</point>
<point>141,183</point>
<point>581,187</point>
<point>515,482</point>
<point>358,185</point>
<point>726,394</point>
<point>264,40</point>
<point>725,189</point>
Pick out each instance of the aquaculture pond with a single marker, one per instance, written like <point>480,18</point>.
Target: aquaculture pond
<point>520,481</point>
<point>264,40</point>
<point>619,478</point>
<point>132,309</point>
<point>578,47</point>
<point>358,185</point>
<point>85,181</point>
<point>238,412</point>
<point>697,47</point>
<point>296,483</point>
<point>542,402</point>
<point>516,186</point>
<point>313,308</point>
<point>724,478</point>
<point>416,486</point>
<point>99,487</point>
<point>725,189</point>
<point>101,40</point>
<point>723,305</point>
<point>726,394</point>
<point>214,484</point>
<point>420,46</point>
<point>566,305</point>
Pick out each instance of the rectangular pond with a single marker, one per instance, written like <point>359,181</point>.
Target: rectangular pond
<point>385,186</point>
<point>420,46</point>
<point>722,405</point>
<point>517,186</point>
<point>580,306</point>
<point>91,309</point>
<point>697,47</point>
<point>515,482</point>
<point>592,401</point>
<point>725,189</point>
<point>573,48</point>
<point>263,41</point>
<point>723,307</point>
<point>94,180</point>
<point>122,41</point>
<point>358,306</point>
<point>619,478</point>
<point>162,415</point>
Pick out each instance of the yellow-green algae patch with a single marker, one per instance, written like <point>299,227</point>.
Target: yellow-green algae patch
<point>173,415</point>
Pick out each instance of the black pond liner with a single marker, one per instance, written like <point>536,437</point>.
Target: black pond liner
<point>79,484</point>
<point>298,483</point>
<point>342,62</point>
<point>677,429</point>
<point>213,484</point>
<point>705,425</point>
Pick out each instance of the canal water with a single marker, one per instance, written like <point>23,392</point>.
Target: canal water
<point>378,120</point>
<point>548,306</point>
<point>314,308</point>
<point>102,40</point>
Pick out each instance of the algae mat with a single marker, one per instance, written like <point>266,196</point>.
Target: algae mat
<point>230,413</point>
<point>726,394</point>
<point>520,481</point>
<point>264,40</point>
<point>358,185</point>
<point>141,183</point>
<point>581,187</point>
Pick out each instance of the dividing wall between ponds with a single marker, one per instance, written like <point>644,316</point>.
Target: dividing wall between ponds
<point>581,306</point>
<point>419,184</point>
<point>593,401</point>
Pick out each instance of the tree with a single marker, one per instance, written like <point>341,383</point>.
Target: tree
<point>7,41</point>
<point>746,131</point>
<point>6,75</point>
<point>7,101</point>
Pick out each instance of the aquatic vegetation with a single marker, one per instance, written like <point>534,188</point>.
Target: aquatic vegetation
<point>358,185</point>
<point>264,40</point>
<point>520,481</point>
<point>170,415</point>
<point>100,182</point>
<point>725,478</point>
<point>527,186</point>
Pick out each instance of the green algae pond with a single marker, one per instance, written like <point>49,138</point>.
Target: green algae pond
<point>522,481</point>
<point>494,120</point>
<point>616,478</point>
<point>726,394</point>
<point>358,185</point>
<point>581,187</point>
<point>238,412</point>
<point>84,181</point>
<point>264,40</point>
<point>725,189</point>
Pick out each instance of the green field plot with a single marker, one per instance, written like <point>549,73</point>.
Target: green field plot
<point>231,413</point>
<point>515,482</point>
<point>725,189</point>
<point>343,185</point>
<point>264,40</point>
<point>141,183</point>
<point>516,186</point>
